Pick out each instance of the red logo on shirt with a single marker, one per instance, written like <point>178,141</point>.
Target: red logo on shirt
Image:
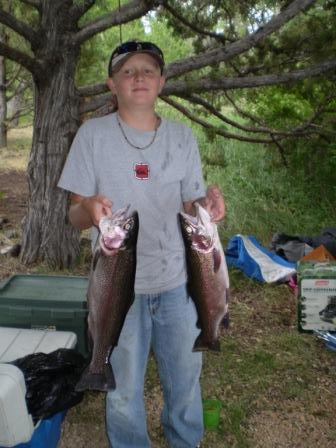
<point>141,170</point>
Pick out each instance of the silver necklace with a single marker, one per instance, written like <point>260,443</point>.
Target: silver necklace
<point>132,144</point>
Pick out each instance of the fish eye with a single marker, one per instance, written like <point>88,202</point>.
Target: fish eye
<point>189,229</point>
<point>127,225</point>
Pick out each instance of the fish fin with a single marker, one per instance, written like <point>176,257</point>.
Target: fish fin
<point>90,340</point>
<point>95,258</point>
<point>214,346</point>
<point>217,259</point>
<point>97,381</point>
<point>199,323</point>
<point>200,345</point>
<point>225,322</point>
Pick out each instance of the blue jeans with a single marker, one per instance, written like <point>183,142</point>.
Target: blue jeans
<point>166,323</point>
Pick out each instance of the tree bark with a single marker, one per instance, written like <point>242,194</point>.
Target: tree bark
<point>3,104</point>
<point>3,100</point>
<point>47,233</point>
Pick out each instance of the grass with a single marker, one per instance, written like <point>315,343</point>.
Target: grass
<point>263,196</point>
<point>266,367</point>
<point>15,155</point>
<point>276,385</point>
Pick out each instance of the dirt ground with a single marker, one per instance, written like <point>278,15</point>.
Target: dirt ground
<point>288,426</point>
<point>13,190</point>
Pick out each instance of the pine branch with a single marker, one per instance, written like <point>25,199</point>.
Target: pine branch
<point>21,112</point>
<point>242,45</point>
<point>242,112</point>
<point>210,108</point>
<point>94,104</point>
<point>307,128</point>
<point>209,84</point>
<point>21,58</point>
<point>281,149</point>
<point>19,27</point>
<point>131,11</point>
<point>320,110</point>
<point>94,89</point>
<point>35,3</point>
<point>77,11</point>
<point>24,85</point>
<point>304,130</point>
<point>218,37</point>
<point>14,77</point>
<point>208,125</point>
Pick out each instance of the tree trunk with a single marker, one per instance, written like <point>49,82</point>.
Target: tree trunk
<point>14,107</point>
<point>3,104</point>
<point>3,101</point>
<point>47,233</point>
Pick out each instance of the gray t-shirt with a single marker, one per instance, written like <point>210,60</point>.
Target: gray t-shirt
<point>154,181</point>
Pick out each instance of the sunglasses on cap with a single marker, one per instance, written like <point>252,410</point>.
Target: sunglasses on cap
<point>127,48</point>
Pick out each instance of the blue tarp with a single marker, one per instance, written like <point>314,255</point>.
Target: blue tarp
<point>257,262</point>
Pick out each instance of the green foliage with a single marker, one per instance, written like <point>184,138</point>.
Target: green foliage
<point>262,195</point>
<point>313,156</point>
<point>96,52</point>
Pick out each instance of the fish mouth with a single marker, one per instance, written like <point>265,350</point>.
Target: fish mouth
<point>115,239</point>
<point>200,229</point>
<point>114,230</point>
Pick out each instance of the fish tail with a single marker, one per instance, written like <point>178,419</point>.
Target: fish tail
<point>225,323</point>
<point>200,345</point>
<point>103,382</point>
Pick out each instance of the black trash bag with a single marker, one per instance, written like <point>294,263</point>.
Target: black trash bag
<point>50,381</point>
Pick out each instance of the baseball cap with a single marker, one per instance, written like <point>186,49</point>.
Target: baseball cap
<point>128,49</point>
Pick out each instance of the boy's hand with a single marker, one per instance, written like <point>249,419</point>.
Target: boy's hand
<point>87,211</point>
<point>214,203</point>
<point>97,207</point>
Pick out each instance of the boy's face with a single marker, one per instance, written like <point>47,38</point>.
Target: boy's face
<point>138,82</point>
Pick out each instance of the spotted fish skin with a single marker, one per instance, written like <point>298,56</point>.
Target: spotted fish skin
<point>208,279</point>
<point>110,295</point>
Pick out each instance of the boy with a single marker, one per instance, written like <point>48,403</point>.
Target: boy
<point>135,157</point>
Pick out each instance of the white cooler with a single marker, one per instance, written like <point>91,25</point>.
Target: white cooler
<point>16,425</point>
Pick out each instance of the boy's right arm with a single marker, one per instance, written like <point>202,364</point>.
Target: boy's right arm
<point>86,212</point>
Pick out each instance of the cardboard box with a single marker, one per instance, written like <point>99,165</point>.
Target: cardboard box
<point>46,302</point>
<point>317,296</point>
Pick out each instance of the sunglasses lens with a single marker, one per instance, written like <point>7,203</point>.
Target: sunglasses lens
<point>129,47</point>
<point>133,47</point>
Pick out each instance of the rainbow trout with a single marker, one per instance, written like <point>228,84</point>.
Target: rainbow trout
<point>208,279</point>
<point>110,294</point>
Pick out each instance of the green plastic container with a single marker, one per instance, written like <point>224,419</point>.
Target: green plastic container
<point>44,301</point>
<point>211,413</point>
